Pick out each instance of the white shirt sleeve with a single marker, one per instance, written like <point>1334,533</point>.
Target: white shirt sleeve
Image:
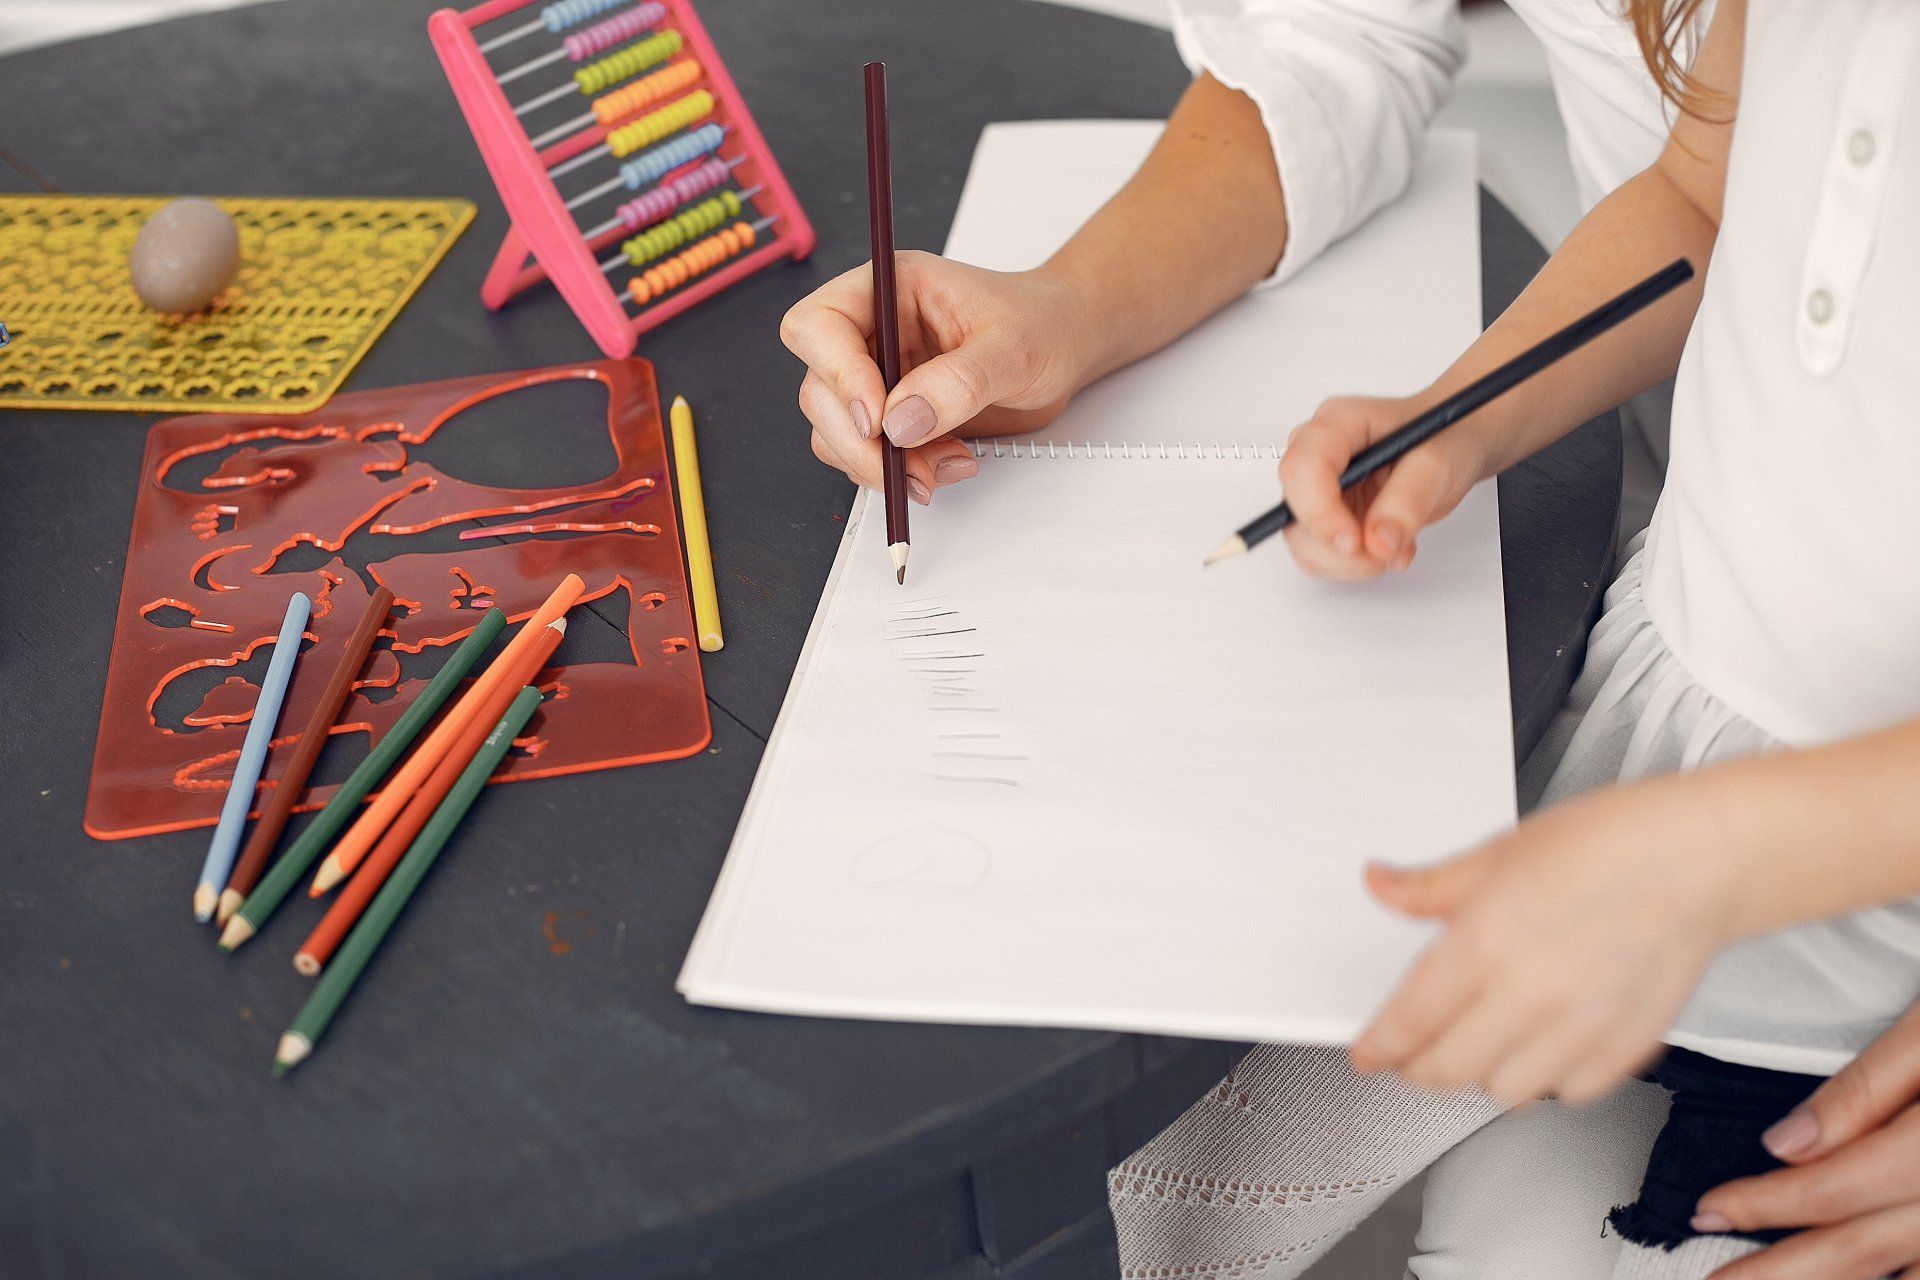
<point>1345,88</point>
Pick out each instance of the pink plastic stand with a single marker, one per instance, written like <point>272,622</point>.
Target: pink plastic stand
<point>544,228</point>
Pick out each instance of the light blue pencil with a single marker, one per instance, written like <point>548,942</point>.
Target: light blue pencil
<point>253,758</point>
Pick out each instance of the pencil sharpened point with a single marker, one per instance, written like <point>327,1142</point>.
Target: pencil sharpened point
<point>900,575</point>
<point>1234,546</point>
<point>230,901</point>
<point>237,932</point>
<point>898,551</point>
<point>203,902</point>
<point>293,1050</point>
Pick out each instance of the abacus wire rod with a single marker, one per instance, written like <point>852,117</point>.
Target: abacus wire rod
<point>560,131</point>
<point>508,37</point>
<point>585,157</point>
<point>532,105</point>
<point>532,64</point>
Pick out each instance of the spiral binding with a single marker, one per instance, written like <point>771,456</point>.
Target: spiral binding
<point>645,210</point>
<point>631,60</point>
<point>567,13</point>
<point>1126,450</point>
<point>699,260</point>
<point>649,167</point>
<point>644,92</point>
<point>696,220</point>
<point>582,45</point>
<point>655,125</point>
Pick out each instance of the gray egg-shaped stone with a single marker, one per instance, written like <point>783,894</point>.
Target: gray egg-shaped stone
<point>185,255</point>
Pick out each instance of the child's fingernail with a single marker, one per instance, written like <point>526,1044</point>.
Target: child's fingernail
<point>1798,1132</point>
<point>918,491</point>
<point>862,420</point>
<point>909,422</point>
<point>1343,543</point>
<point>1711,1223</point>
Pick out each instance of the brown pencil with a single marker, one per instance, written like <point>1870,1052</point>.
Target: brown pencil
<point>306,753</point>
<point>886,310</point>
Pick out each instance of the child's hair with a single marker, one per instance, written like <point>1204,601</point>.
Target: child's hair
<point>1657,26</point>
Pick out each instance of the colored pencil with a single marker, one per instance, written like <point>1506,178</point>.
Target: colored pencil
<point>693,520</point>
<point>886,308</point>
<point>310,843</point>
<point>338,980</point>
<point>253,757</point>
<point>360,889</point>
<point>1392,446</point>
<point>306,752</point>
<point>360,837</point>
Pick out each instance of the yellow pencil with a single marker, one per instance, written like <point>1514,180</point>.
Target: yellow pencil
<point>693,520</point>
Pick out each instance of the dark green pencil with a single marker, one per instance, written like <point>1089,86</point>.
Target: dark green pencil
<point>292,866</point>
<point>339,976</point>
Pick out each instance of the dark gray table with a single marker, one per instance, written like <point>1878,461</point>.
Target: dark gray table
<point>485,1108</point>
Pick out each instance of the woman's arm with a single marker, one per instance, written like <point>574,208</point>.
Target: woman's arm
<point>1672,210</point>
<point>1572,941</point>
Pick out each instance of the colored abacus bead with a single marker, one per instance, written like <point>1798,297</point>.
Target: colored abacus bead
<point>582,45</point>
<point>644,92</point>
<point>647,209</point>
<point>699,260</point>
<point>650,166</point>
<point>655,125</point>
<point>686,225</point>
<point>562,14</point>
<point>632,60</point>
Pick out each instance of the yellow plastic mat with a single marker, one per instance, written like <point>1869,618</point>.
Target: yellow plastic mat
<point>319,280</point>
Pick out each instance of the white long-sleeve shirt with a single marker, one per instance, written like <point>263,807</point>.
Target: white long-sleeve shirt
<point>1347,88</point>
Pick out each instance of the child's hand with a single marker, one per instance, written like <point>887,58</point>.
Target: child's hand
<point>984,352</point>
<point>1570,944</point>
<point>1371,527</point>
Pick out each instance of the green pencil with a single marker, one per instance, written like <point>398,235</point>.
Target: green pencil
<point>338,977</point>
<point>292,867</point>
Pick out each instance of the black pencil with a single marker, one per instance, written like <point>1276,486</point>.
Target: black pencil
<point>886,319</point>
<point>1477,393</point>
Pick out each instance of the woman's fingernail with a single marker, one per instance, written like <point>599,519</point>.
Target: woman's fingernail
<point>1711,1223</point>
<point>862,420</point>
<point>1798,1132</point>
<point>909,422</point>
<point>918,491</point>
<point>1388,535</point>
<point>948,470</point>
<point>1343,543</point>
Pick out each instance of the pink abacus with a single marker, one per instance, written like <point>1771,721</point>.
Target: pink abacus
<point>659,117</point>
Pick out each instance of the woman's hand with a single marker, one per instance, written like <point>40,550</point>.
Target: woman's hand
<point>1373,526</point>
<point>1854,1180</point>
<point>982,352</point>
<point>1570,943</point>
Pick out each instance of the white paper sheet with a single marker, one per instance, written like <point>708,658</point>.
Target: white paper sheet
<point>1065,776</point>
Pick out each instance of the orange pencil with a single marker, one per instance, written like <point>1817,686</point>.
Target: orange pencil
<point>393,797</point>
<point>386,854</point>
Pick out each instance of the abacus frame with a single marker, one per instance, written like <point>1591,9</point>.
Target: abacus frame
<point>542,226</point>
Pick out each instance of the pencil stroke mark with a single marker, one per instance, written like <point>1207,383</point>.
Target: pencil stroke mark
<point>928,635</point>
<point>967,777</point>
<point>909,619</point>
<point>942,657</point>
<point>951,693</point>
<point>929,854</point>
<point>975,755</point>
<point>952,671</point>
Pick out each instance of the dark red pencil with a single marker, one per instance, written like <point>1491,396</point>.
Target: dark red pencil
<point>886,318</point>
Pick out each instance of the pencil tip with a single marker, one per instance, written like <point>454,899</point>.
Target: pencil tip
<point>898,550</point>
<point>230,901</point>
<point>328,876</point>
<point>203,898</point>
<point>293,1050</point>
<point>1234,546</point>
<point>900,575</point>
<point>237,932</point>
<point>305,965</point>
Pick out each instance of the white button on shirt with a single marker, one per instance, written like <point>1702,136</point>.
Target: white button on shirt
<point>1347,88</point>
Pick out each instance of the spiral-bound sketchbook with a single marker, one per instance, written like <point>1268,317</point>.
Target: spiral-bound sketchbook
<point>1065,776</point>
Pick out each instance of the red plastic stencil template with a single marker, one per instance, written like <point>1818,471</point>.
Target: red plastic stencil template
<point>236,512</point>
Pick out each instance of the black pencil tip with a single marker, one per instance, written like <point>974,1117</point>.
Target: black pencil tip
<point>900,575</point>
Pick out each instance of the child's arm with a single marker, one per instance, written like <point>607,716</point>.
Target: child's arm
<point>1572,941</point>
<point>1672,210</point>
